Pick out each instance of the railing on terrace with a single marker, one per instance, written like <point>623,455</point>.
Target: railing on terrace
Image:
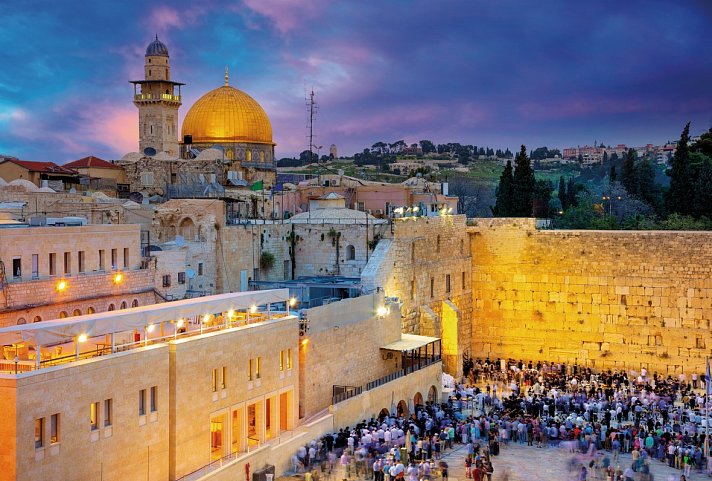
<point>175,98</point>
<point>356,390</point>
<point>63,353</point>
<point>102,272</point>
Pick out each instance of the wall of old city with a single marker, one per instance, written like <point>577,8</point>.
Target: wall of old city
<point>342,347</point>
<point>415,267</point>
<point>605,299</point>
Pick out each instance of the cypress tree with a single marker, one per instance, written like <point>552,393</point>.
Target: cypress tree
<point>628,177</point>
<point>505,193</point>
<point>524,183</point>
<point>613,176</point>
<point>562,193</point>
<point>571,191</point>
<point>679,172</point>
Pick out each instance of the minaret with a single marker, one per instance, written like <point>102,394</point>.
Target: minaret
<point>157,102</point>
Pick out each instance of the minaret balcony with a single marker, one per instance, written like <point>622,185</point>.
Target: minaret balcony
<point>157,97</point>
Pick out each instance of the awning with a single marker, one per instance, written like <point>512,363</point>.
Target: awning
<point>408,342</point>
<point>100,323</point>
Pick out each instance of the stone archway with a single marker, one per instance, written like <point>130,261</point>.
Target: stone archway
<point>383,414</point>
<point>433,394</point>
<point>417,400</point>
<point>402,409</point>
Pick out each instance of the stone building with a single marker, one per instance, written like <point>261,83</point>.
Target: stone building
<point>60,272</point>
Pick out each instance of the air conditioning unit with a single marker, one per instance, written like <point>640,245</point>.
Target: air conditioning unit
<point>379,212</point>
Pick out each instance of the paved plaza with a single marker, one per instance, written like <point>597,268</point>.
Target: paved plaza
<point>524,463</point>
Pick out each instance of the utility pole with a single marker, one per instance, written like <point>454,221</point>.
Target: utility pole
<point>312,109</point>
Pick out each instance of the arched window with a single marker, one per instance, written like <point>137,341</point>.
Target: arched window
<point>248,155</point>
<point>90,310</point>
<point>63,314</point>
<point>77,312</point>
<point>37,319</point>
<point>111,307</point>
<point>134,303</point>
<point>123,305</point>
<point>21,320</point>
<point>187,229</point>
<point>350,253</point>
<point>262,156</point>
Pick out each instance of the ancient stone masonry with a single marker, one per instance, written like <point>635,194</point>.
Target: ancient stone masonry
<point>427,266</point>
<point>605,299</point>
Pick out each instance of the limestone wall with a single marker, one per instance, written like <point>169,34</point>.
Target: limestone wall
<point>424,252</point>
<point>606,299</point>
<point>343,347</point>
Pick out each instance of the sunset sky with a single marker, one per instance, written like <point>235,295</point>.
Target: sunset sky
<point>490,73</point>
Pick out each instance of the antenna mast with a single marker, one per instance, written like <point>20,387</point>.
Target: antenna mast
<point>311,109</point>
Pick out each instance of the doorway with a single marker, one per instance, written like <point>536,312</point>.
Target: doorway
<point>218,443</point>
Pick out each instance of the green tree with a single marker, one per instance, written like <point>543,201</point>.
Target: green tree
<point>427,146</point>
<point>628,177</point>
<point>505,193</point>
<point>562,193</point>
<point>572,189</point>
<point>678,195</point>
<point>704,145</point>
<point>541,197</point>
<point>523,185</point>
<point>612,177</point>
<point>648,190</point>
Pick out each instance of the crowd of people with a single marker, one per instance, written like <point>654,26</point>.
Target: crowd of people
<point>597,416</point>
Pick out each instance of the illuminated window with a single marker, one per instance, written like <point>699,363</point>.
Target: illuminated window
<point>281,360</point>
<point>215,380</point>
<point>289,359</point>
<point>258,366</point>
<point>39,432</point>
<point>54,429</point>
<point>63,314</point>
<point>250,369</point>
<point>223,380</point>
<point>94,416</point>
<point>77,312</point>
<point>81,259</point>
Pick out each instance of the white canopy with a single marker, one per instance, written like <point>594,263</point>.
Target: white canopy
<point>100,323</point>
<point>408,342</point>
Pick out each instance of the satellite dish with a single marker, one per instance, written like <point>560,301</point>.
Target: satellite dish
<point>136,197</point>
<point>190,273</point>
<point>180,241</point>
<point>149,151</point>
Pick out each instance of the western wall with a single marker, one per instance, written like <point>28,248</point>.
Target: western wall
<point>603,299</point>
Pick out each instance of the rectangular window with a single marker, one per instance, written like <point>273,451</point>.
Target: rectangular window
<point>223,381</point>
<point>39,433</point>
<point>215,380</point>
<point>67,263</point>
<point>167,280</point>
<point>126,257</point>
<point>154,399</point>
<point>108,412</point>
<point>432,287</point>
<point>81,258</point>
<point>102,259</point>
<point>94,416</point>
<point>463,281</point>
<point>250,369</point>
<point>181,278</point>
<point>281,360</point>
<point>258,366</point>
<point>412,289</point>
<point>114,258</point>
<point>447,283</point>
<point>17,268</point>
<point>53,264</point>
<point>54,429</point>
<point>142,402</point>
<point>289,359</point>
<point>35,266</point>
<point>200,268</point>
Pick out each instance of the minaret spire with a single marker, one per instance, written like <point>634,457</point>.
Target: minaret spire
<point>226,76</point>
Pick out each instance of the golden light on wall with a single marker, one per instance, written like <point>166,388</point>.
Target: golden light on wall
<point>82,338</point>
<point>118,277</point>
<point>292,302</point>
<point>62,285</point>
<point>253,309</point>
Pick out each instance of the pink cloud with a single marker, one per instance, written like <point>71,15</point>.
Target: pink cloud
<point>113,126</point>
<point>287,14</point>
<point>579,107</point>
<point>163,18</point>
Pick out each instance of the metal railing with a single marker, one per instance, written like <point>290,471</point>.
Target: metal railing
<point>175,98</point>
<point>348,392</point>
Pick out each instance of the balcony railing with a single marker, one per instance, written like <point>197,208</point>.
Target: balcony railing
<point>347,392</point>
<point>156,97</point>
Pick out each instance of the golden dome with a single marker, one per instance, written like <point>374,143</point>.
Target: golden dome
<point>227,115</point>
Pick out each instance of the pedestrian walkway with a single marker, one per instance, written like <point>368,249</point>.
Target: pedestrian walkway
<point>524,463</point>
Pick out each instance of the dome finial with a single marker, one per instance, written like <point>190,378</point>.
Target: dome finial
<point>226,76</point>
<point>156,36</point>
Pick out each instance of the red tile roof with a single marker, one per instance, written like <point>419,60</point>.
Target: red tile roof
<point>91,161</point>
<point>47,167</point>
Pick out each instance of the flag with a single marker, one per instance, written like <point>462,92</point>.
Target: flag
<point>257,185</point>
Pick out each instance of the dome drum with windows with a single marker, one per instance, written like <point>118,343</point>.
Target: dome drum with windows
<point>231,120</point>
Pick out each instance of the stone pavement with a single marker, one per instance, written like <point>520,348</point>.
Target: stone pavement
<point>523,463</point>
